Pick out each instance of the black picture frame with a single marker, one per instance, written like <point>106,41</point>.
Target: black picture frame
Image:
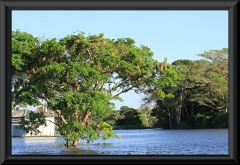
<point>6,6</point>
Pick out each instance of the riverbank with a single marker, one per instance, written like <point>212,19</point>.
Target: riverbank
<point>123,127</point>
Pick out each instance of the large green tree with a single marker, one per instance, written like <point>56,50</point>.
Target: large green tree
<point>214,79</point>
<point>201,97</point>
<point>78,76</point>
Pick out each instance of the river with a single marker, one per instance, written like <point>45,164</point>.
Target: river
<point>133,142</point>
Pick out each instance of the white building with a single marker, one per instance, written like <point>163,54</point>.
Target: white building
<point>49,130</point>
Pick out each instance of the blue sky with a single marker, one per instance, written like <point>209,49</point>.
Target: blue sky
<point>169,34</point>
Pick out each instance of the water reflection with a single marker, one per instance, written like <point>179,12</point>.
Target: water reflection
<point>104,144</point>
<point>133,142</point>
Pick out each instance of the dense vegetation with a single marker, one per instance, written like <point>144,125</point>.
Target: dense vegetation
<point>78,76</point>
<point>200,98</point>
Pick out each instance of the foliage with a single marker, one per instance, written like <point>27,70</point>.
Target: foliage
<point>147,119</point>
<point>201,97</point>
<point>107,131</point>
<point>128,116</point>
<point>78,76</point>
<point>112,118</point>
<point>132,118</point>
<point>32,122</point>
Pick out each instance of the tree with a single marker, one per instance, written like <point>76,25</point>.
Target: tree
<point>113,117</point>
<point>201,97</point>
<point>148,120</point>
<point>162,90</point>
<point>78,77</point>
<point>216,78</point>
<point>129,116</point>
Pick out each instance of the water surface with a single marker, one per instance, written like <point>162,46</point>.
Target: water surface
<point>133,142</point>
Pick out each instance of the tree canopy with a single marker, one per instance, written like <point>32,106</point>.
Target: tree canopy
<point>201,97</point>
<point>78,76</point>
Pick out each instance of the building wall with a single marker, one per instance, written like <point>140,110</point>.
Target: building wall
<point>45,131</point>
<point>16,132</point>
<point>49,129</point>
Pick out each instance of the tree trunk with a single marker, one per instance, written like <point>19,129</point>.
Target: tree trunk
<point>75,143</point>
<point>170,120</point>
<point>145,115</point>
<point>58,120</point>
<point>68,145</point>
<point>169,114</point>
<point>192,110</point>
<point>180,116</point>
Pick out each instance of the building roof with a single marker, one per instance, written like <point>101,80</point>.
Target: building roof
<point>20,113</point>
<point>25,112</point>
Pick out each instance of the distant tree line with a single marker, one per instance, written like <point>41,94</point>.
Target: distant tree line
<point>199,100</point>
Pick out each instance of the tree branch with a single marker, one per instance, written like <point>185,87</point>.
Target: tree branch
<point>86,117</point>
<point>52,122</point>
<point>89,54</point>
<point>123,91</point>
<point>118,85</point>
<point>101,87</point>
<point>65,122</point>
<point>96,85</point>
